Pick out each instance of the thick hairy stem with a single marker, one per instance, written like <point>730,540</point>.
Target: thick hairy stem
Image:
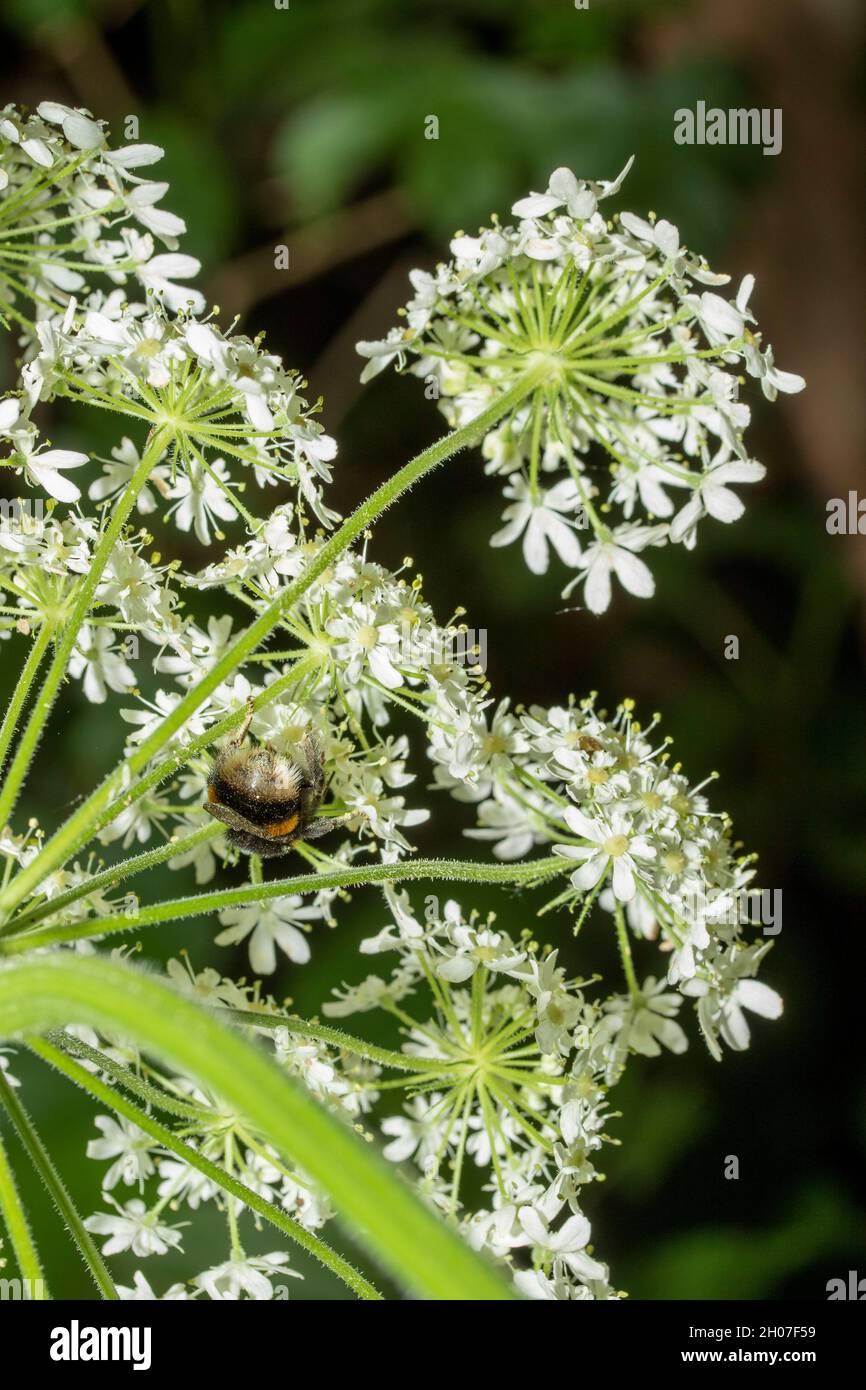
<point>204,904</point>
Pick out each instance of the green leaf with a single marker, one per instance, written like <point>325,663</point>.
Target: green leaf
<point>327,149</point>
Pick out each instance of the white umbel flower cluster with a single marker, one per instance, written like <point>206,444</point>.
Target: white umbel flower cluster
<point>83,212</point>
<point>222,403</point>
<point>636,838</point>
<point>147,1189</point>
<point>514,1064</point>
<point>78,231</point>
<point>637,430</point>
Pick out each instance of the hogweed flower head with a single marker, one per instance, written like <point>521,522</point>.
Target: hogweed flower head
<point>638,840</point>
<point>637,430</point>
<point>218,400</point>
<point>507,1084</point>
<point>75,212</point>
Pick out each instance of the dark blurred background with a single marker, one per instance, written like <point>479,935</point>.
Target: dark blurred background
<point>305,126</point>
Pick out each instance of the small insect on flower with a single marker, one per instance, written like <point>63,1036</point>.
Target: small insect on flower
<point>586,744</point>
<point>269,799</point>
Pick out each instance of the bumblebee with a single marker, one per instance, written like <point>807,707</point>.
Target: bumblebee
<point>269,799</point>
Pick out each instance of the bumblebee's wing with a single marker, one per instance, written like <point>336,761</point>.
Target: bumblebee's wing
<point>231,818</point>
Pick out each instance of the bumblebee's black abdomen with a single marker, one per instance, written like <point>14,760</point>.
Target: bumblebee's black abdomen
<point>259,784</point>
<point>261,810</point>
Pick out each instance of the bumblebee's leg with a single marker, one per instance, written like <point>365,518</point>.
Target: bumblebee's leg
<point>311,799</point>
<point>325,824</point>
<point>231,818</point>
<point>245,727</point>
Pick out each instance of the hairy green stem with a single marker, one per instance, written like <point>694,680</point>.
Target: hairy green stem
<point>56,1188</point>
<point>110,878</point>
<point>203,904</point>
<point>125,1076</point>
<point>25,680</point>
<point>335,1037</point>
<point>15,1221</point>
<point>625,954</point>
